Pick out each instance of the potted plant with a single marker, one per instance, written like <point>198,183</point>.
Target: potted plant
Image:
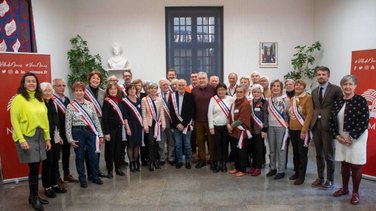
<point>302,62</point>
<point>81,62</point>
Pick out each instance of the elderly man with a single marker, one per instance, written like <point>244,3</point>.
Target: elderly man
<point>255,77</point>
<point>167,135</point>
<point>323,98</point>
<point>62,102</point>
<point>189,87</point>
<point>232,80</point>
<point>182,109</point>
<point>214,80</point>
<point>202,95</point>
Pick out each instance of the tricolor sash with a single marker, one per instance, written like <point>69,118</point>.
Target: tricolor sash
<point>120,115</point>
<point>59,103</point>
<point>89,122</point>
<point>170,89</point>
<point>222,105</point>
<point>176,110</point>
<point>258,121</point>
<point>90,96</point>
<point>156,117</point>
<point>300,118</point>
<point>166,109</point>
<point>243,130</point>
<point>137,115</point>
<point>273,110</point>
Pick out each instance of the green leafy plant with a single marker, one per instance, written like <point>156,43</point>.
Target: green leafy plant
<point>303,60</point>
<point>81,62</point>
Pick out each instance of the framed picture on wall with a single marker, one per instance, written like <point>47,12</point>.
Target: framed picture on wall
<point>268,54</point>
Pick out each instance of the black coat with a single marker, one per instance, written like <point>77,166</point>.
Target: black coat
<point>187,110</point>
<point>110,118</point>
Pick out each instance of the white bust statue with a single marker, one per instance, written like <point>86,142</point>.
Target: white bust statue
<point>117,61</point>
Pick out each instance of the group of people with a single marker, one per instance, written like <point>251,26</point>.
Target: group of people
<point>170,121</point>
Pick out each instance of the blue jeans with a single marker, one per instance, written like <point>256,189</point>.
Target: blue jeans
<point>86,140</point>
<point>181,139</point>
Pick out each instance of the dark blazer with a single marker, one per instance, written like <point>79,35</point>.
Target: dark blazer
<point>110,118</point>
<point>187,110</point>
<point>62,119</point>
<point>333,92</point>
<point>356,116</point>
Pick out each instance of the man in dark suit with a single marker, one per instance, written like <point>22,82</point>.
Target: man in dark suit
<point>323,98</point>
<point>182,107</point>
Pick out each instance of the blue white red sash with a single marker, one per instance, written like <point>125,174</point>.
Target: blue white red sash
<point>166,109</point>
<point>243,131</point>
<point>300,118</point>
<point>90,96</point>
<point>59,103</point>
<point>222,105</point>
<point>278,116</point>
<point>89,122</point>
<point>156,117</point>
<point>170,89</point>
<point>120,115</point>
<point>176,110</point>
<point>137,114</point>
<point>257,120</point>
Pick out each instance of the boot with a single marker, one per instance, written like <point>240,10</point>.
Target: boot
<point>151,166</point>
<point>33,198</point>
<point>132,166</point>
<point>137,165</point>
<point>224,167</point>
<point>217,167</point>
<point>156,165</point>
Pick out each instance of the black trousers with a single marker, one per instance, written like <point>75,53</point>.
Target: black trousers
<point>112,151</point>
<point>221,140</point>
<point>257,150</point>
<point>145,149</point>
<point>50,166</point>
<point>300,153</point>
<point>65,151</point>
<point>152,145</point>
<point>240,155</point>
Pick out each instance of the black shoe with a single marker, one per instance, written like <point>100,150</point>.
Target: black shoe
<point>279,176</point>
<point>188,165</point>
<point>156,165</point>
<point>101,174</point>
<point>172,163</point>
<point>151,167</point>
<point>98,181</point>
<point>43,201</point>
<point>58,189</point>
<point>110,175</point>
<point>35,203</point>
<point>119,172</point>
<point>161,163</point>
<point>271,173</point>
<point>200,164</point>
<point>132,167</point>
<point>224,167</point>
<point>294,177</point>
<point>49,193</point>
<point>136,165</point>
<point>218,167</point>
<point>83,184</point>
<point>179,165</point>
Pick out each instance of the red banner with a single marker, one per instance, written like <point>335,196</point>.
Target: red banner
<point>12,67</point>
<point>363,66</point>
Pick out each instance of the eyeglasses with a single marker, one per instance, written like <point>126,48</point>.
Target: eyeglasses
<point>61,85</point>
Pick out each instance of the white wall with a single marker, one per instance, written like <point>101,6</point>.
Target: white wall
<point>139,26</point>
<point>343,26</point>
<point>53,29</point>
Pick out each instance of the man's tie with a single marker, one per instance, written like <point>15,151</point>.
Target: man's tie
<point>320,95</point>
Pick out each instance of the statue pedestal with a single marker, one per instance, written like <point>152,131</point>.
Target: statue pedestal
<point>116,69</point>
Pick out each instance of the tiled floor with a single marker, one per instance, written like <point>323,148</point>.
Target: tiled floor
<point>195,189</point>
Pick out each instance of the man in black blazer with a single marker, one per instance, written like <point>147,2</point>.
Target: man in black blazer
<point>182,110</point>
<point>323,98</point>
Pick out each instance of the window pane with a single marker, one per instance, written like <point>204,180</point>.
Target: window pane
<point>211,30</point>
<point>211,21</point>
<point>199,21</point>
<point>188,21</point>
<point>176,21</point>
<point>182,21</point>
<point>206,20</point>
<point>206,29</point>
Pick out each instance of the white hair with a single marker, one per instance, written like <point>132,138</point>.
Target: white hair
<point>257,86</point>
<point>45,85</point>
<point>164,80</point>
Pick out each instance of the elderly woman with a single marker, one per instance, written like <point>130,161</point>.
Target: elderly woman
<point>300,115</point>
<point>153,121</point>
<point>264,82</point>
<point>278,105</point>
<point>239,126</point>
<point>351,133</point>
<point>50,166</point>
<point>95,94</point>
<point>113,123</point>
<point>31,134</point>
<point>259,125</point>
<point>84,132</point>
<point>219,107</point>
